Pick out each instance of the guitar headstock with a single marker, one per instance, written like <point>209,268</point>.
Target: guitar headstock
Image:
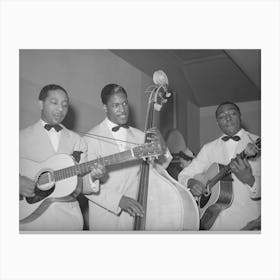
<point>148,150</point>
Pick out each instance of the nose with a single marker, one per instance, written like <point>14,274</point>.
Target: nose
<point>121,108</point>
<point>60,107</point>
<point>228,117</point>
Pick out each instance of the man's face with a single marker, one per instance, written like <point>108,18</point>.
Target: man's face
<point>117,108</point>
<point>229,119</point>
<point>55,107</point>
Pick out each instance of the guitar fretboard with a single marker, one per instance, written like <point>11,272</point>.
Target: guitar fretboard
<point>84,168</point>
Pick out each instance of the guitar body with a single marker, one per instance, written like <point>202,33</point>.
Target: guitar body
<point>220,198</point>
<point>46,189</point>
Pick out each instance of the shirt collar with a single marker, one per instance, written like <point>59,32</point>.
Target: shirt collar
<point>110,123</point>
<point>43,124</point>
<point>239,133</point>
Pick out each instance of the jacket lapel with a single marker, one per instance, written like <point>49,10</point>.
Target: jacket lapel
<point>64,141</point>
<point>42,137</point>
<point>109,144</point>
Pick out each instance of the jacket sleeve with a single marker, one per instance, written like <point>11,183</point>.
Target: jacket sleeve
<point>255,190</point>
<point>89,186</point>
<point>164,160</point>
<point>198,165</point>
<point>105,197</point>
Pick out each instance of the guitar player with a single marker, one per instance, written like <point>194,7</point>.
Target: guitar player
<point>245,205</point>
<point>44,139</point>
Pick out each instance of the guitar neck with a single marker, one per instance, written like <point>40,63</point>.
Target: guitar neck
<point>223,172</point>
<point>85,167</point>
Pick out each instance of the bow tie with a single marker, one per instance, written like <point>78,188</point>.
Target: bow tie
<point>116,128</point>
<point>57,127</point>
<point>235,138</point>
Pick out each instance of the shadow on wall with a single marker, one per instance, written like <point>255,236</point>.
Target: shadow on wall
<point>131,119</point>
<point>70,119</point>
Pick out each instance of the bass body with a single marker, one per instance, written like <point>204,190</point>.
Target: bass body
<point>170,206</point>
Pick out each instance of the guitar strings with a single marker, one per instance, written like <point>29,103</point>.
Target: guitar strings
<point>104,138</point>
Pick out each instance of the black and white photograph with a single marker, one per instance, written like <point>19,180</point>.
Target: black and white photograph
<point>103,154</point>
<point>139,139</point>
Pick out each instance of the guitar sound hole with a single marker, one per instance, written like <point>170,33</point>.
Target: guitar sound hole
<point>203,200</point>
<point>39,195</point>
<point>44,178</point>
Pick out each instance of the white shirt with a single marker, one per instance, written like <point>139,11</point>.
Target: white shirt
<point>121,134</point>
<point>53,135</point>
<point>231,144</point>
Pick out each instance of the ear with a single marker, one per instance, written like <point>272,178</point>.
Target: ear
<point>41,104</point>
<point>105,108</point>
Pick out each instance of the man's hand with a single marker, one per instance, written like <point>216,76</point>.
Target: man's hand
<point>253,225</point>
<point>26,186</point>
<point>251,150</point>
<point>131,206</point>
<point>242,170</point>
<point>155,135</point>
<point>98,171</point>
<point>196,187</point>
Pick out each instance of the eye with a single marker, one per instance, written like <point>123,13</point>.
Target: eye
<point>221,117</point>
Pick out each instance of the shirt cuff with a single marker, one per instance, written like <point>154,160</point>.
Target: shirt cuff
<point>94,185</point>
<point>254,190</point>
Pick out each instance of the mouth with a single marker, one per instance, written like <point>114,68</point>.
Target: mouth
<point>122,116</point>
<point>57,117</point>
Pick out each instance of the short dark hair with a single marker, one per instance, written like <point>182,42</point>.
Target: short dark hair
<point>227,103</point>
<point>110,90</point>
<point>45,91</point>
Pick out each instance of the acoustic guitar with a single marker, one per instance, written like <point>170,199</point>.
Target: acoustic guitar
<point>56,178</point>
<point>218,194</point>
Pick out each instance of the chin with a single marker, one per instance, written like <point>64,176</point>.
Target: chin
<point>123,121</point>
<point>57,121</point>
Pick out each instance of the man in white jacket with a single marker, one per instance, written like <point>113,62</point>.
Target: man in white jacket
<point>115,206</point>
<point>245,205</point>
<point>45,139</point>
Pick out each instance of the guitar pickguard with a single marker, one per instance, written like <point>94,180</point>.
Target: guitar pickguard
<point>39,195</point>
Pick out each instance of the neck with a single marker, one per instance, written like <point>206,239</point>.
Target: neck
<point>232,134</point>
<point>48,122</point>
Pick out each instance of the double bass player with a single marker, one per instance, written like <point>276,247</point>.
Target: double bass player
<point>115,206</point>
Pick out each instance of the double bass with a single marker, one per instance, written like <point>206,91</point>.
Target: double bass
<point>168,206</point>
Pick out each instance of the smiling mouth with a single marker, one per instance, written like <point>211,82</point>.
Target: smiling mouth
<point>57,117</point>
